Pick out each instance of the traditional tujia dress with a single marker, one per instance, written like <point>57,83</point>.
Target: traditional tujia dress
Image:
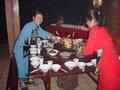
<point>109,64</point>
<point>22,63</point>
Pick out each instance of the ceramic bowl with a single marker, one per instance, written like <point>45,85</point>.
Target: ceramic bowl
<point>33,46</point>
<point>44,68</point>
<point>56,67</point>
<point>70,64</point>
<point>44,41</point>
<point>89,64</point>
<point>81,65</point>
<point>33,53</point>
<point>34,59</point>
<point>76,60</point>
<point>33,49</point>
<point>35,64</point>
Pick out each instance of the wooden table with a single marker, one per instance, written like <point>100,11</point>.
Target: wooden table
<point>47,76</point>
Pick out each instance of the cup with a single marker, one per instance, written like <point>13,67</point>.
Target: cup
<point>41,61</point>
<point>39,51</point>
<point>50,62</point>
<point>94,61</point>
<point>76,60</point>
<point>39,44</point>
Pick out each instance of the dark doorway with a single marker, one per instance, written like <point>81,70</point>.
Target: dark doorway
<point>3,26</point>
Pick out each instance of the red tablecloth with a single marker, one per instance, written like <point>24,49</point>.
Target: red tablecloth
<point>63,32</point>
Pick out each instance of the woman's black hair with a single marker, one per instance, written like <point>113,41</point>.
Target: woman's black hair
<point>38,12</point>
<point>95,14</point>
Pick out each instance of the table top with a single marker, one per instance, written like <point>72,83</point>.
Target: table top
<point>58,60</point>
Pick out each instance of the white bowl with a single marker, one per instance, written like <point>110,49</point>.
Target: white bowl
<point>76,60</point>
<point>41,60</point>
<point>33,46</point>
<point>89,64</point>
<point>44,68</point>
<point>33,49</point>
<point>53,52</point>
<point>56,67</point>
<point>94,61</point>
<point>35,64</point>
<point>70,65</point>
<point>34,59</point>
<point>33,52</point>
<point>81,65</point>
<point>45,41</point>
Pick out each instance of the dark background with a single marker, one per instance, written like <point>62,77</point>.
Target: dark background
<point>73,11</point>
<point>3,26</point>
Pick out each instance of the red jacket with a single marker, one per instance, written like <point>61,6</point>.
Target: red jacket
<point>109,63</point>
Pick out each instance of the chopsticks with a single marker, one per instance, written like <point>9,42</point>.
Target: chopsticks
<point>35,70</point>
<point>57,33</point>
<point>39,69</point>
<point>73,34</point>
<point>63,70</point>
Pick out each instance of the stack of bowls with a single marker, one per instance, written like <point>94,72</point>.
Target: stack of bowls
<point>33,50</point>
<point>34,61</point>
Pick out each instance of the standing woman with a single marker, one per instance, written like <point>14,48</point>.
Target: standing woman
<point>109,64</point>
<point>22,63</point>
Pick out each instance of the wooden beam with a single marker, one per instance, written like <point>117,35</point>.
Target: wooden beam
<point>9,21</point>
<point>12,20</point>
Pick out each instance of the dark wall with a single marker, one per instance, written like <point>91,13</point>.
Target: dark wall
<point>73,11</point>
<point>3,29</point>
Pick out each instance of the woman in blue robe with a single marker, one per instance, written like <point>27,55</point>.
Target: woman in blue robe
<point>22,63</point>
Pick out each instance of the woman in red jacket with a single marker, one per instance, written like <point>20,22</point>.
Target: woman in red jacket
<point>109,64</point>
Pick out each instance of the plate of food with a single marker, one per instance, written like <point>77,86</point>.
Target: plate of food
<point>65,55</point>
<point>52,52</point>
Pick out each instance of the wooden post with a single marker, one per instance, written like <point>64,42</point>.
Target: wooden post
<point>13,22</point>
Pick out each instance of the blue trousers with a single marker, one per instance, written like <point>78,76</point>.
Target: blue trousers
<point>22,63</point>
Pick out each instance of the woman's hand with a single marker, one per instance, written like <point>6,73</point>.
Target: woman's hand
<point>54,38</point>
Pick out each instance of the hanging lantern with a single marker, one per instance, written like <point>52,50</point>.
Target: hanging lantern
<point>97,3</point>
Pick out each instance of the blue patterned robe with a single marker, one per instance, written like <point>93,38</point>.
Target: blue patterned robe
<point>22,63</point>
